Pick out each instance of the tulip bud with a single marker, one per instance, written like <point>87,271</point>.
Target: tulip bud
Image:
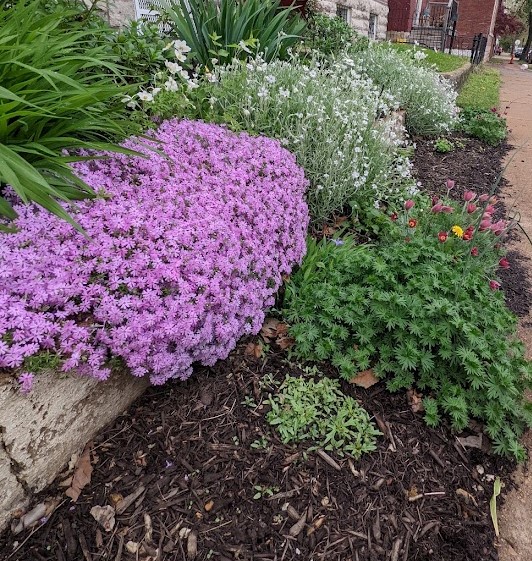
<point>474,251</point>
<point>494,285</point>
<point>471,208</point>
<point>450,184</point>
<point>484,225</point>
<point>504,263</point>
<point>447,209</point>
<point>409,204</point>
<point>483,198</point>
<point>437,208</point>
<point>490,209</point>
<point>469,196</point>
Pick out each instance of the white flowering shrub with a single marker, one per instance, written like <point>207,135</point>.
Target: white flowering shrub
<point>328,117</point>
<point>428,98</point>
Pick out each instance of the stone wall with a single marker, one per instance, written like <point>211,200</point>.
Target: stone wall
<point>359,13</point>
<point>39,432</point>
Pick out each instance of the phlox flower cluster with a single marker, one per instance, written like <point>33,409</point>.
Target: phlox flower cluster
<point>184,250</point>
<point>328,116</point>
<point>429,99</point>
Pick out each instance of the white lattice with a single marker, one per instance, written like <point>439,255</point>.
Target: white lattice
<point>147,10</point>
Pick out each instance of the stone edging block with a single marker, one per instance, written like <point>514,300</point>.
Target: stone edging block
<point>39,432</point>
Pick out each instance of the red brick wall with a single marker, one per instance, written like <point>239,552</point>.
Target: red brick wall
<point>400,14</point>
<point>474,17</point>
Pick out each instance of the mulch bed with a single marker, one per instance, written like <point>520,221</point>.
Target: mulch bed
<point>184,453</point>
<point>475,167</point>
<point>185,465</point>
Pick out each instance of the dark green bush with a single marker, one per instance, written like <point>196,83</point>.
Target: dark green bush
<point>486,125</point>
<point>420,310</point>
<point>331,36</point>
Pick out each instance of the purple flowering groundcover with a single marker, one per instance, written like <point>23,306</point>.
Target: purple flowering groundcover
<point>183,256</point>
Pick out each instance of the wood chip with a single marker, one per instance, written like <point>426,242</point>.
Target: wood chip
<point>192,545</point>
<point>126,502</point>
<point>298,527</point>
<point>326,458</point>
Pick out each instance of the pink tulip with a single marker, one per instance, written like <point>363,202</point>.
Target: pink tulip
<point>484,225</point>
<point>409,204</point>
<point>494,285</point>
<point>490,209</point>
<point>504,263</point>
<point>471,208</point>
<point>435,200</point>
<point>447,209</point>
<point>450,184</point>
<point>469,196</point>
<point>474,251</point>
<point>437,208</point>
<point>483,198</point>
<point>486,216</point>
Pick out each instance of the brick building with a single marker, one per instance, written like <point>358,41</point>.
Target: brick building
<point>409,19</point>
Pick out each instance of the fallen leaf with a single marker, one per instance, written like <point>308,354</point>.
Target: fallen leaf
<point>132,547</point>
<point>285,342</point>
<point>105,516</point>
<point>412,492</point>
<point>364,379</point>
<point>82,474</point>
<point>208,506</point>
<point>269,329</point>
<point>468,497</point>
<point>415,400</point>
<point>115,498</point>
<point>254,349</point>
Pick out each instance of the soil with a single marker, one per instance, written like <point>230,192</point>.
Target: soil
<point>186,453</point>
<point>475,166</point>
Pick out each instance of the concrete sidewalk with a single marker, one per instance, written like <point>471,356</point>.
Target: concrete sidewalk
<point>515,519</point>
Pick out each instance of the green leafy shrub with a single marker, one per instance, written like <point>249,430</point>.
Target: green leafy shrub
<point>443,145</point>
<point>486,125</point>
<point>140,48</point>
<point>420,309</point>
<point>331,36</point>
<point>234,29</point>
<point>328,117</point>
<point>429,99</point>
<point>59,88</point>
<point>318,411</point>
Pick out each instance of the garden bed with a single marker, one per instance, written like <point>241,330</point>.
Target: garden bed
<point>189,455</point>
<point>476,166</point>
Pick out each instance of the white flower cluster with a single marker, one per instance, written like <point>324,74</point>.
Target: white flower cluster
<point>168,80</point>
<point>429,99</point>
<point>329,117</point>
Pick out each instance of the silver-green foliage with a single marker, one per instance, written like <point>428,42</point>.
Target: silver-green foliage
<point>427,97</point>
<point>327,116</point>
<point>318,411</point>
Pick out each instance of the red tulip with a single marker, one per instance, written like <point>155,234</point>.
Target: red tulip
<point>442,236</point>
<point>474,251</point>
<point>393,216</point>
<point>409,204</point>
<point>504,264</point>
<point>494,285</point>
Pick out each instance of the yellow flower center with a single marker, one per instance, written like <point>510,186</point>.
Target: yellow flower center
<point>457,231</point>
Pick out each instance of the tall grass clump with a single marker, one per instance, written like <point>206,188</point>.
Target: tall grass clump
<point>428,99</point>
<point>328,117</point>
<point>59,91</point>
<point>231,28</point>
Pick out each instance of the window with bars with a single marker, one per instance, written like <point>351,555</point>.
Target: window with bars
<point>343,12</point>
<point>372,31</point>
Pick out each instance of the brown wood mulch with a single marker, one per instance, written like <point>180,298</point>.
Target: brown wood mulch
<point>183,461</point>
<point>185,466</point>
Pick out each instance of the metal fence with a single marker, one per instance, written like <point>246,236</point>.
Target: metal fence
<point>478,49</point>
<point>435,26</point>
